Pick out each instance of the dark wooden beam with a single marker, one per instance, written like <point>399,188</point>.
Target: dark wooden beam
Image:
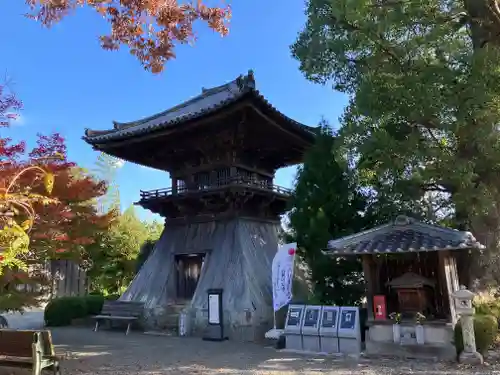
<point>368,271</point>
<point>281,128</point>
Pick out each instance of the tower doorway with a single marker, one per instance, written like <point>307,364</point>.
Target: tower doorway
<point>188,268</point>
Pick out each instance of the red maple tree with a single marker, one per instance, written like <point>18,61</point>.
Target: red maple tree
<point>63,229</point>
<point>149,28</point>
<point>47,196</point>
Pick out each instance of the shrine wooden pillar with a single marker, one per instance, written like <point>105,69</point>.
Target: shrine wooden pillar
<point>448,276</point>
<point>370,282</point>
<point>174,185</point>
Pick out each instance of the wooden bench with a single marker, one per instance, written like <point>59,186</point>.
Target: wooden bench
<point>124,311</point>
<point>28,349</point>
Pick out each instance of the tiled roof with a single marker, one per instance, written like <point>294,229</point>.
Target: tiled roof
<point>208,101</point>
<point>403,235</point>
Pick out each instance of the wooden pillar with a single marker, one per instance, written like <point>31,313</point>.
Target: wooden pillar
<point>174,185</point>
<point>369,283</point>
<point>233,173</point>
<point>449,276</point>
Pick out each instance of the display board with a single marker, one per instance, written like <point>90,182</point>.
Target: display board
<point>213,309</point>
<point>215,326</point>
<point>349,330</point>
<point>294,316</point>
<point>348,318</point>
<point>328,328</point>
<point>310,328</point>
<point>311,316</point>
<point>293,326</point>
<point>329,317</point>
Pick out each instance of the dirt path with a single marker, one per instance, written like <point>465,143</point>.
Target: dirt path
<point>107,353</point>
<point>113,353</point>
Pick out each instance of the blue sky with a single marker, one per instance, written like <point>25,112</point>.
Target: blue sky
<point>67,82</point>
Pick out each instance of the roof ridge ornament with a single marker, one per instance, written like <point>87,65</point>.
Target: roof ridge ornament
<point>250,79</point>
<point>244,82</point>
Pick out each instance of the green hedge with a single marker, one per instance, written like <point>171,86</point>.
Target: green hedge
<point>488,307</point>
<point>61,311</point>
<point>485,331</point>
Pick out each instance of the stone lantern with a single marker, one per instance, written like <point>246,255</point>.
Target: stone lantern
<point>463,305</point>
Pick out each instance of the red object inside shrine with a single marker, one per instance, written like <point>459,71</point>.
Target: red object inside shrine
<point>379,307</point>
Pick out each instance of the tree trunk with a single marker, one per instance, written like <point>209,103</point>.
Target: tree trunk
<point>484,21</point>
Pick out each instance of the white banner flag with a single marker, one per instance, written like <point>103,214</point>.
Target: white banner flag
<point>282,275</point>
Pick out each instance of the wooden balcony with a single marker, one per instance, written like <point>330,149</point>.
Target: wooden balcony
<point>235,182</point>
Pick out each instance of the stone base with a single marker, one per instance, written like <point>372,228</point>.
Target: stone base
<point>473,358</point>
<point>437,341</point>
<point>428,352</point>
<point>241,327</point>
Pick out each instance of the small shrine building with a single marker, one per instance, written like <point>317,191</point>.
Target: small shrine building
<point>410,270</point>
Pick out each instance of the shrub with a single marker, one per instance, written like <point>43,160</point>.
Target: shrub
<point>487,305</point>
<point>93,304</point>
<point>485,330</point>
<point>61,311</point>
<point>112,297</point>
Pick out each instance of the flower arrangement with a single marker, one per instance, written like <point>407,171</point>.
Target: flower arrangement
<point>419,318</point>
<point>396,317</point>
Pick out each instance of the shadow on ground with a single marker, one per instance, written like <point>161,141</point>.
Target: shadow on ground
<point>111,352</point>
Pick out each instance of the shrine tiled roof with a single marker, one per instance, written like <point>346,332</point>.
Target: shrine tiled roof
<point>403,235</point>
<point>209,101</point>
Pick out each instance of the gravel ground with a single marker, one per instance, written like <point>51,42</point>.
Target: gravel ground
<point>113,353</point>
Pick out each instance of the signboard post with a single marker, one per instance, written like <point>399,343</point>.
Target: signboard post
<point>349,331</point>
<point>310,328</point>
<point>328,327</point>
<point>293,327</point>
<point>215,327</point>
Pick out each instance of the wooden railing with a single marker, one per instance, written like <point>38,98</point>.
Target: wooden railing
<point>234,181</point>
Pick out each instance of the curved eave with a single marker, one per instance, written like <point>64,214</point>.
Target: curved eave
<point>122,132</point>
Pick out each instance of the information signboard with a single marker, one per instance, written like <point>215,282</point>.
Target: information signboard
<point>329,319</point>
<point>329,322</point>
<point>293,327</point>
<point>348,318</point>
<point>349,330</point>
<point>294,315</point>
<point>311,317</point>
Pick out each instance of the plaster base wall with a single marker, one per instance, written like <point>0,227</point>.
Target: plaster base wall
<point>238,259</point>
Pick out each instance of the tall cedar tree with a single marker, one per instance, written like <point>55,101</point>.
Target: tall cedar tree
<point>422,77</point>
<point>149,28</point>
<point>327,205</point>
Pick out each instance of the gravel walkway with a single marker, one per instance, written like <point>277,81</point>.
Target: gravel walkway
<point>113,353</point>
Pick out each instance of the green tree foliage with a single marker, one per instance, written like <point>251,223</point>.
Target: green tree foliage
<point>154,228</point>
<point>115,255</point>
<point>144,253</point>
<point>327,204</point>
<point>422,78</point>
